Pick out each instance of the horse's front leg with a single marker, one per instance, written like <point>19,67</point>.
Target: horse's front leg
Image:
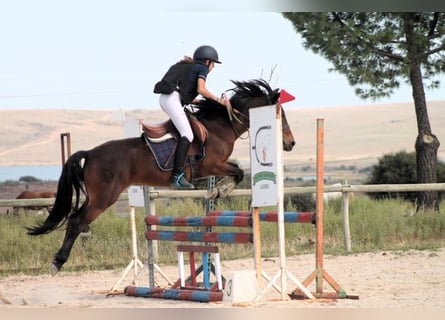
<point>236,172</point>
<point>234,175</point>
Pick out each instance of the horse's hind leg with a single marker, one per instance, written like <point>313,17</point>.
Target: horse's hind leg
<point>75,226</point>
<point>73,229</point>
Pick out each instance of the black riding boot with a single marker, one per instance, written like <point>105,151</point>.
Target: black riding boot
<point>179,181</point>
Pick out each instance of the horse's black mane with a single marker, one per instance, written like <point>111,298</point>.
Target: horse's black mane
<point>253,89</point>
<point>244,90</point>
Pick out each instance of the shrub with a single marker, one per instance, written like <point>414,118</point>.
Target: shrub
<point>304,202</point>
<point>29,179</point>
<point>399,168</point>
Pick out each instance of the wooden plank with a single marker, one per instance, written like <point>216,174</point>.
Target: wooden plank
<point>247,192</point>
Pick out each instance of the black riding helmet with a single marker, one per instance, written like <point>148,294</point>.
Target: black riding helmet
<point>206,52</point>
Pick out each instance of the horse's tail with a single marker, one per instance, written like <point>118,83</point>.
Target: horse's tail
<point>71,180</point>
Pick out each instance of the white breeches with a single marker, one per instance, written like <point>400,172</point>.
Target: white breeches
<point>171,104</point>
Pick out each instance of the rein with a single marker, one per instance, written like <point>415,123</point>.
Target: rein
<point>234,116</point>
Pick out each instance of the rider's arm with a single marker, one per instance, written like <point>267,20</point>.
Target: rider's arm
<point>202,90</point>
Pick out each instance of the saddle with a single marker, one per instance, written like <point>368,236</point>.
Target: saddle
<point>162,139</point>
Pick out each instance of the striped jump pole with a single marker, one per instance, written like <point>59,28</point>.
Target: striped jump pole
<point>272,216</point>
<point>207,221</point>
<point>174,294</point>
<point>211,237</point>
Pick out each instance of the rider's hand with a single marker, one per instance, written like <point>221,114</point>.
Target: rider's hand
<point>225,102</point>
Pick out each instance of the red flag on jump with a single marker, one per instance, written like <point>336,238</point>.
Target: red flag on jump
<point>285,96</point>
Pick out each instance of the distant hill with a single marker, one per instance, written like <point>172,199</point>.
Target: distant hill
<point>355,136</point>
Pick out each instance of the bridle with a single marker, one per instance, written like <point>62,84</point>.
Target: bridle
<point>235,115</point>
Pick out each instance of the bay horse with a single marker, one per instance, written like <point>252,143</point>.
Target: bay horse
<point>102,173</point>
<point>27,194</point>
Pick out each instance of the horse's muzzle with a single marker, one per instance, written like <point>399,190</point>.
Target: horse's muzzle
<point>288,146</point>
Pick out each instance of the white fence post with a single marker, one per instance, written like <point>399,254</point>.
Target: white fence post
<point>345,211</point>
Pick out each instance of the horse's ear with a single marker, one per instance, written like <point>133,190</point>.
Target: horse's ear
<point>275,95</point>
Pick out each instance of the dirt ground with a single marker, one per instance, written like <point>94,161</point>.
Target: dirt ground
<point>381,280</point>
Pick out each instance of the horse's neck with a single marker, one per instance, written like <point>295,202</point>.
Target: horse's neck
<point>221,128</point>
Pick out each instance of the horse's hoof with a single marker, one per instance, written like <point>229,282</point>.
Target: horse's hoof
<point>225,186</point>
<point>225,190</point>
<point>85,235</point>
<point>53,269</point>
<point>212,194</point>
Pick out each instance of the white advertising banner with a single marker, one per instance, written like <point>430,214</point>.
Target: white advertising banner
<point>132,128</point>
<point>265,156</point>
<point>136,196</point>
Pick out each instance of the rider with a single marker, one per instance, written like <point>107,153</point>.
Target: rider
<point>180,86</point>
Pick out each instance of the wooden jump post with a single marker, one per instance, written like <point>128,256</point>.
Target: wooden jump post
<point>320,273</point>
<point>65,149</point>
<point>135,262</point>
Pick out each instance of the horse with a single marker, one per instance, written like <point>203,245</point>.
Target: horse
<point>34,195</point>
<point>102,173</point>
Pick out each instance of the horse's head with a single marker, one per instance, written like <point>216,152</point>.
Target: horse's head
<point>245,95</point>
<point>258,93</point>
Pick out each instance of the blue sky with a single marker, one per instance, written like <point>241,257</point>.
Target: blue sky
<point>101,55</point>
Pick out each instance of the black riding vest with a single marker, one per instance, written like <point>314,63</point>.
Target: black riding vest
<point>175,78</point>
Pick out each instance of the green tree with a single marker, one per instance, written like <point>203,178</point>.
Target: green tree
<point>377,51</point>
